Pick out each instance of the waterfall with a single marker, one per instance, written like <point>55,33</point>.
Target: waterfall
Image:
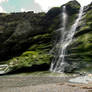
<point>4,68</point>
<point>59,63</point>
<point>62,31</point>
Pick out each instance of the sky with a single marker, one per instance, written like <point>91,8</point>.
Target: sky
<point>33,5</point>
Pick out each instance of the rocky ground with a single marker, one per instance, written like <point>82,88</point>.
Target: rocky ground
<point>45,88</point>
<point>31,83</point>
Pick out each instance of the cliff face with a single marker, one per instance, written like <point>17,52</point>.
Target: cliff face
<point>27,38</point>
<point>16,31</point>
<point>80,51</point>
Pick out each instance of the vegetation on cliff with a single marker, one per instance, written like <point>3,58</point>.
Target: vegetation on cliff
<point>27,38</point>
<point>81,47</point>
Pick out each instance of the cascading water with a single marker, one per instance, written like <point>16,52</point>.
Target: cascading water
<point>56,62</point>
<point>59,63</point>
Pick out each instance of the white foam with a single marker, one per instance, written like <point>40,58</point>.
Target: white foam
<point>82,79</point>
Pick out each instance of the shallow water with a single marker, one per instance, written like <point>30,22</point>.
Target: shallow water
<point>81,79</point>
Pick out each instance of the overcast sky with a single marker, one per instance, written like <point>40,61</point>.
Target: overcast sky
<point>33,5</point>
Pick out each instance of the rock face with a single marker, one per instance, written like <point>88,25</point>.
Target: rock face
<point>80,50</point>
<point>27,38</point>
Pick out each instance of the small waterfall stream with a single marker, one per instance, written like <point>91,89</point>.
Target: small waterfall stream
<point>59,63</point>
<point>4,68</point>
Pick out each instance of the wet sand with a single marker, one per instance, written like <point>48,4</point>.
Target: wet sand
<point>28,83</point>
<point>45,88</point>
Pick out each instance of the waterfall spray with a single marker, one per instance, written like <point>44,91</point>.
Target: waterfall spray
<point>59,64</point>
